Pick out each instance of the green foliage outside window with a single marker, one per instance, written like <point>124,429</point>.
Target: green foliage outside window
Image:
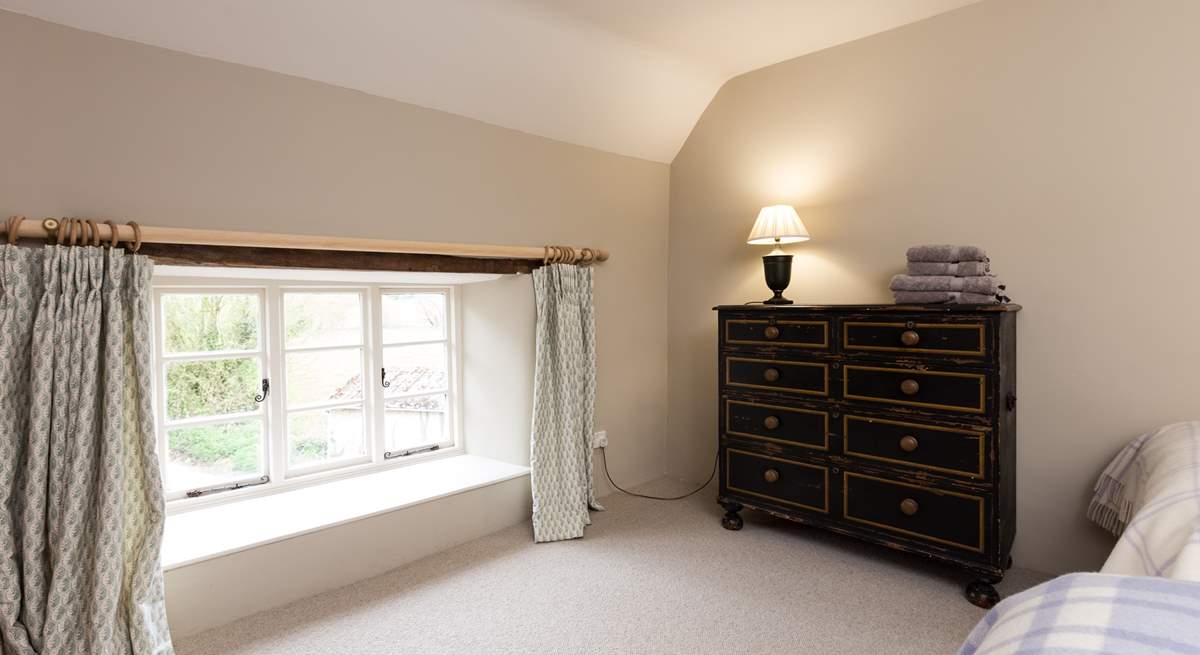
<point>235,445</point>
<point>197,323</point>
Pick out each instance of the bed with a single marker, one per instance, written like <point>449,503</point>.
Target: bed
<point>1146,598</point>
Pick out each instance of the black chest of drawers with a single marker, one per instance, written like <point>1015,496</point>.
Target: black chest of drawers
<point>894,424</point>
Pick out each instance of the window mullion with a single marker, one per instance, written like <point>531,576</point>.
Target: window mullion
<point>276,412</point>
<point>376,405</point>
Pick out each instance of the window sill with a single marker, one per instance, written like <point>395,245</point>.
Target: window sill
<point>210,532</point>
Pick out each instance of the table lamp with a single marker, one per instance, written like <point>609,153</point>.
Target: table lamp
<point>777,225</point>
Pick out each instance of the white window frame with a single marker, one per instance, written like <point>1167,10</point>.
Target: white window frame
<point>279,364</point>
<point>273,352</point>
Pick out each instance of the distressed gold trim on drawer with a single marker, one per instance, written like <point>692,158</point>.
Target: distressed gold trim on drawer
<point>957,408</point>
<point>901,349</point>
<point>823,469</point>
<point>978,548</point>
<point>794,410</point>
<point>846,445</point>
<point>787,344</point>
<point>823,392</point>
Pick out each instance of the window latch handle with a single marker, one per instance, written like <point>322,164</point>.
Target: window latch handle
<point>383,378</point>
<point>266,391</point>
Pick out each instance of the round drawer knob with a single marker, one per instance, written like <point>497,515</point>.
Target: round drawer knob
<point>771,422</point>
<point>910,338</point>
<point>771,332</point>
<point>908,443</point>
<point>909,387</point>
<point>771,475</point>
<point>772,374</point>
<point>909,506</point>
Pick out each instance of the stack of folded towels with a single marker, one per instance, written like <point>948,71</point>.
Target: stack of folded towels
<point>947,274</point>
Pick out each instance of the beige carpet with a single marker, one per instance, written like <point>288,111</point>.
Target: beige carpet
<point>649,577</point>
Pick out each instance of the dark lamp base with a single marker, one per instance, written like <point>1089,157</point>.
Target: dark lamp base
<point>778,271</point>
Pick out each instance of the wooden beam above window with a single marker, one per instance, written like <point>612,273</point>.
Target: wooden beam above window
<point>239,257</point>
<point>172,245</point>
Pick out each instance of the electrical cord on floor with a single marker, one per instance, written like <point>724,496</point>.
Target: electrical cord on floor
<point>604,461</point>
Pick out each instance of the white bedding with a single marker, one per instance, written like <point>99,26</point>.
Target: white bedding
<point>1149,496</point>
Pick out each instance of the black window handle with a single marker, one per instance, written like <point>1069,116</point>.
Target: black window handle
<point>383,378</point>
<point>266,391</point>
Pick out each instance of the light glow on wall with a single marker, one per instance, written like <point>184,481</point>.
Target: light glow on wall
<point>794,182</point>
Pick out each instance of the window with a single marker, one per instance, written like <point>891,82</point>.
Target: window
<point>268,383</point>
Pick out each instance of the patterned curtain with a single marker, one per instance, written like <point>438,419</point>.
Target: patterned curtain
<point>564,395</point>
<point>81,504</point>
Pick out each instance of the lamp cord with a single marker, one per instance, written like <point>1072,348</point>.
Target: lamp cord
<point>604,461</point>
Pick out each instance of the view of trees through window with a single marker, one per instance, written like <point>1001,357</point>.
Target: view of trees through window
<point>213,368</point>
<point>217,349</point>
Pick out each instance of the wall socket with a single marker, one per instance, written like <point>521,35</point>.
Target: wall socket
<point>600,439</point>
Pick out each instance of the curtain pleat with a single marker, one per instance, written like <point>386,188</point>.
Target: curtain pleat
<point>82,504</point>
<point>564,397</point>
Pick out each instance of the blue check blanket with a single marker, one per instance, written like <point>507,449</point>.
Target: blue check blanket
<point>1088,613</point>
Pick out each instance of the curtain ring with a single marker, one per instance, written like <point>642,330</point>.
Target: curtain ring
<point>61,232</point>
<point>587,256</point>
<point>112,228</point>
<point>571,257</point>
<point>137,237</point>
<point>14,228</point>
<point>95,230</point>
<point>545,253</point>
<point>76,231</point>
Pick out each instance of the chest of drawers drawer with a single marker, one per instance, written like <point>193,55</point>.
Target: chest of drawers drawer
<point>808,378</point>
<point>787,425</point>
<point>943,517</point>
<point>910,337</point>
<point>778,480</point>
<point>956,391</point>
<point>915,445</point>
<point>785,333</point>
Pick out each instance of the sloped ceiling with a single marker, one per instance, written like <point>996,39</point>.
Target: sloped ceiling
<point>626,76</point>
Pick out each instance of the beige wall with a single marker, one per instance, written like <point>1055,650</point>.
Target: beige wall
<point>101,127</point>
<point>499,321</point>
<point>1063,136</point>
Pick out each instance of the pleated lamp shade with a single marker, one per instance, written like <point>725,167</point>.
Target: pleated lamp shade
<point>777,224</point>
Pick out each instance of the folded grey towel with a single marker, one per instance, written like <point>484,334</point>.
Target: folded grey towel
<point>940,253</point>
<point>936,297</point>
<point>985,284</point>
<point>962,269</point>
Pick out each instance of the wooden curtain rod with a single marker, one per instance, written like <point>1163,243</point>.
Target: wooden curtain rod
<point>84,231</point>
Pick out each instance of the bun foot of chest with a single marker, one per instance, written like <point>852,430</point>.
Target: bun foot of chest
<point>982,594</point>
<point>731,520</point>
